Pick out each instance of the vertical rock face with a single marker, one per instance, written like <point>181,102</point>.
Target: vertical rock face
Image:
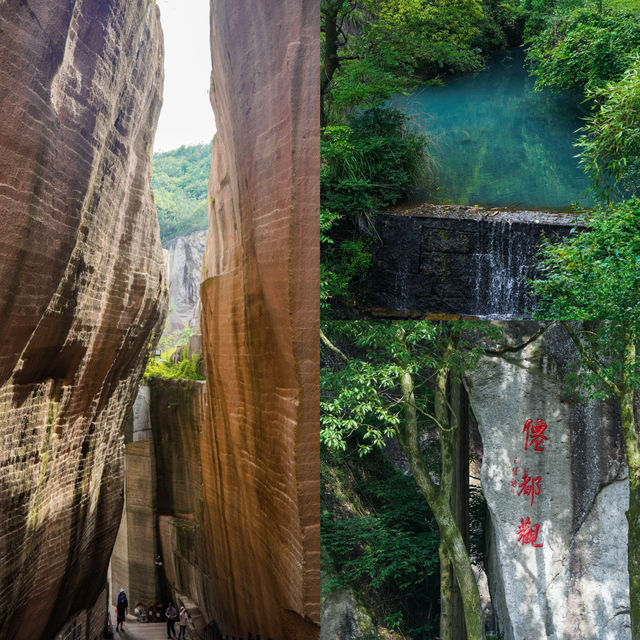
<point>180,419</point>
<point>133,565</point>
<point>185,268</point>
<point>260,319</point>
<point>81,289</point>
<point>570,580</point>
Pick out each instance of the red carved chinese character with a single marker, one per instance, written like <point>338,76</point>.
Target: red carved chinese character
<point>534,435</point>
<point>530,485</point>
<point>528,534</point>
<point>514,473</point>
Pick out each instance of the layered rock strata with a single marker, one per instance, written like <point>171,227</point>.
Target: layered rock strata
<point>81,290</point>
<point>260,320</point>
<point>558,541</point>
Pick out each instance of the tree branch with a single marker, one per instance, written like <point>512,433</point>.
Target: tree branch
<point>333,347</point>
<point>588,360</point>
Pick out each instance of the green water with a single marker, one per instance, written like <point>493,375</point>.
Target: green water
<point>496,142</point>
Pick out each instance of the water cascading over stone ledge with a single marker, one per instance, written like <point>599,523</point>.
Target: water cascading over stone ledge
<point>81,292</point>
<point>436,259</point>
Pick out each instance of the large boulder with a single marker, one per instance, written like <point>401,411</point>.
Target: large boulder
<point>344,618</point>
<point>81,290</point>
<point>557,554</point>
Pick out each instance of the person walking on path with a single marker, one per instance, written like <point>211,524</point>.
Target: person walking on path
<point>171,614</point>
<point>121,609</point>
<point>183,622</point>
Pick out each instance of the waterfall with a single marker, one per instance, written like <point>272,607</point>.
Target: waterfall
<point>503,265</point>
<point>459,260</point>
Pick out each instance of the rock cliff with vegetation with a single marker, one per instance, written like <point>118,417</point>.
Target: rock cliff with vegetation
<point>81,291</point>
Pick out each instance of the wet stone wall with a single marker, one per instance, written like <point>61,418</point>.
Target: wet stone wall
<point>457,259</point>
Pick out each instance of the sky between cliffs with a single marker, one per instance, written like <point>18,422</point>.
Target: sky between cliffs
<point>186,117</point>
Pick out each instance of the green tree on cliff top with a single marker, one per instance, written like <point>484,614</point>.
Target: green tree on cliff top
<point>180,182</point>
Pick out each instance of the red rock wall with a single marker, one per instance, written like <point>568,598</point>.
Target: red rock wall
<point>260,319</point>
<point>81,289</point>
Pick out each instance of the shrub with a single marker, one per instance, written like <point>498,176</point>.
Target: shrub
<point>583,48</point>
<point>371,162</point>
<point>368,164</point>
<point>611,139</point>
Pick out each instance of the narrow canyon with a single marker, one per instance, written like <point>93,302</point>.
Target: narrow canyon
<point>223,479</point>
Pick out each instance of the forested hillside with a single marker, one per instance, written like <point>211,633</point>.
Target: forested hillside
<point>179,183</point>
<point>371,158</point>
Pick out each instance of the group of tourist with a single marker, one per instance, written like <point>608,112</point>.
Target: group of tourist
<point>171,615</point>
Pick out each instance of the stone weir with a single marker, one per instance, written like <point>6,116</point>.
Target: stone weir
<point>445,259</point>
<point>81,292</point>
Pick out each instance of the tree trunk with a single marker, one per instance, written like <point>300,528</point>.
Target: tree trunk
<point>330,58</point>
<point>439,503</point>
<point>625,399</point>
<point>454,487</point>
<point>446,594</point>
<point>460,488</point>
<point>633,563</point>
<point>447,437</point>
<point>466,579</point>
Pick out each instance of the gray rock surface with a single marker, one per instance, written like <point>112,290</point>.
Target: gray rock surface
<point>575,585</point>
<point>343,618</point>
<point>185,266</point>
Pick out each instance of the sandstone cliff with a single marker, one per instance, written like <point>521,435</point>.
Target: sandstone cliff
<point>81,290</point>
<point>260,320</point>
